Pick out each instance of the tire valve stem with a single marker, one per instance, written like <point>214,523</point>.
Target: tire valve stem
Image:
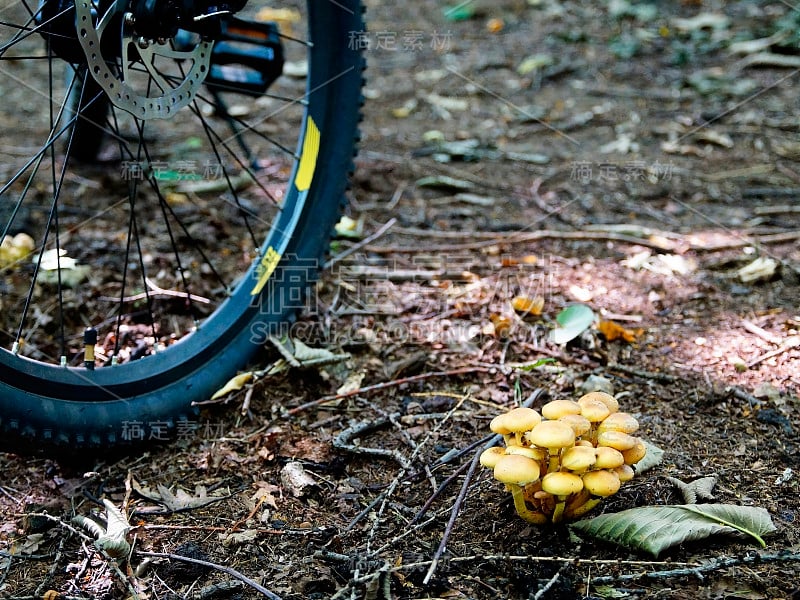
<point>89,341</point>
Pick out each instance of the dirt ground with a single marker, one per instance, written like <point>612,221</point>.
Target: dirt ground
<point>629,156</point>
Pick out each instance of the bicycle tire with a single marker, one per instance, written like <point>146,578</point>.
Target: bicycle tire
<point>47,407</point>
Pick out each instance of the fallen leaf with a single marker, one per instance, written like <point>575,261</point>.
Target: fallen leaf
<point>653,529</point>
<point>572,321</point>
<point>495,25</point>
<point>445,183</point>
<point>448,103</point>
<point>699,488</point>
<point>349,228</point>
<point>237,539</point>
<point>296,480</point>
<point>179,501</point>
<point>15,248</point>
<point>613,331</point>
<point>234,384</point>
<point>761,269</point>
<point>352,383</point>
<point>265,493</point>
<point>534,63</point>
<point>526,304</point>
<point>405,110</point>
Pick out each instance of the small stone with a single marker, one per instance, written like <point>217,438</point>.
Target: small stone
<point>596,383</point>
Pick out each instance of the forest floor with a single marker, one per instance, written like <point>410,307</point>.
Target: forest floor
<point>631,157</point>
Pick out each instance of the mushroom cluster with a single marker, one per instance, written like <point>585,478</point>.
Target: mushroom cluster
<point>562,463</point>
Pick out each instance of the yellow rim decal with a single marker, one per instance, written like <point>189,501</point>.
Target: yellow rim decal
<point>265,268</point>
<point>308,159</point>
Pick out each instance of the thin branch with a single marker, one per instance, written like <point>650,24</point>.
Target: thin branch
<point>363,243</point>
<point>204,563</point>
<point>382,386</point>
<point>697,570</point>
<point>463,493</point>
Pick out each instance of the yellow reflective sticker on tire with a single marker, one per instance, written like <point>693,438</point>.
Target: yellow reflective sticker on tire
<point>308,157</point>
<point>265,268</point>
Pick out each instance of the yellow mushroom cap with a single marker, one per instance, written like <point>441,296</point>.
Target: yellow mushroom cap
<point>516,469</point>
<point>607,399</point>
<point>608,458</point>
<point>534,453</point>
<point>587,443</point>
<point>617,440</point>
<point>555,409</point>
<point>579,423</point>
<point>551,434</point>
<point>594,410</point>
<point>624,472</point>
<point>490,456</point>
<point>516,420</point>
<point>498,425</point>
<point>562,484</point>
<point>636,453</point>
<point>620,421</point>
<point>601,482</point>
<point>578,458</point>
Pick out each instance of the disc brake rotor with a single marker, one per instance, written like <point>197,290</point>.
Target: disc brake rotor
<point>162,97</point>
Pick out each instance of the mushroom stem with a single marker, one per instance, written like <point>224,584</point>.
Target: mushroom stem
<point>558,513</point>
<point>554,464</point>
<point>522,508</point>
<point>577,500</point>
<point>582,509</point>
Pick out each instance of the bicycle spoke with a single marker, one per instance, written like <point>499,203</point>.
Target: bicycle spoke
<point>153,240</point>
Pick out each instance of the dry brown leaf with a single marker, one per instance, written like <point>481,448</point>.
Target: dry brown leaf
<point>612,331</point>
<point>526,304</point>
<point>265,493</point>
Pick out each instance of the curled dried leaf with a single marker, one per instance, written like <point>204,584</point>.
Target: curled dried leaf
<point>526,304</point>
<point>613,331</point>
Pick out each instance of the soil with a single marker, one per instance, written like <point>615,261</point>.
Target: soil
<point>613,154</point>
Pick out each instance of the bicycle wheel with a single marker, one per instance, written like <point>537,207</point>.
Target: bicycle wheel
<point>201,240</point>
<point>85,112</point>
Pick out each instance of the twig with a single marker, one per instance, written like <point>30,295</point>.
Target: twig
<point>415,566</point>
<point>785,209</point>
<point>230,571</point>
<point>382,386</point>
<point>514,238</point>
<point>367,240</point>
<point>157,291</point>
<point>343,442</point>
<point>762,333</point>
<point>713,565</point>
<point>463,493</point>
<point>664,242</point>
<point>542,591</point>
<point>42,588</point>
<point>454,513</point>
<point>789,344</point>
<point>742,395</point>
<point>436,494</point>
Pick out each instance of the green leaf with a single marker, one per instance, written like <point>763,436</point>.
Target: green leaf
<point>460,12</point>
<point>573,321</point>
<point>527,367</point>
<point>652,459</point>
<point>653,529</point>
